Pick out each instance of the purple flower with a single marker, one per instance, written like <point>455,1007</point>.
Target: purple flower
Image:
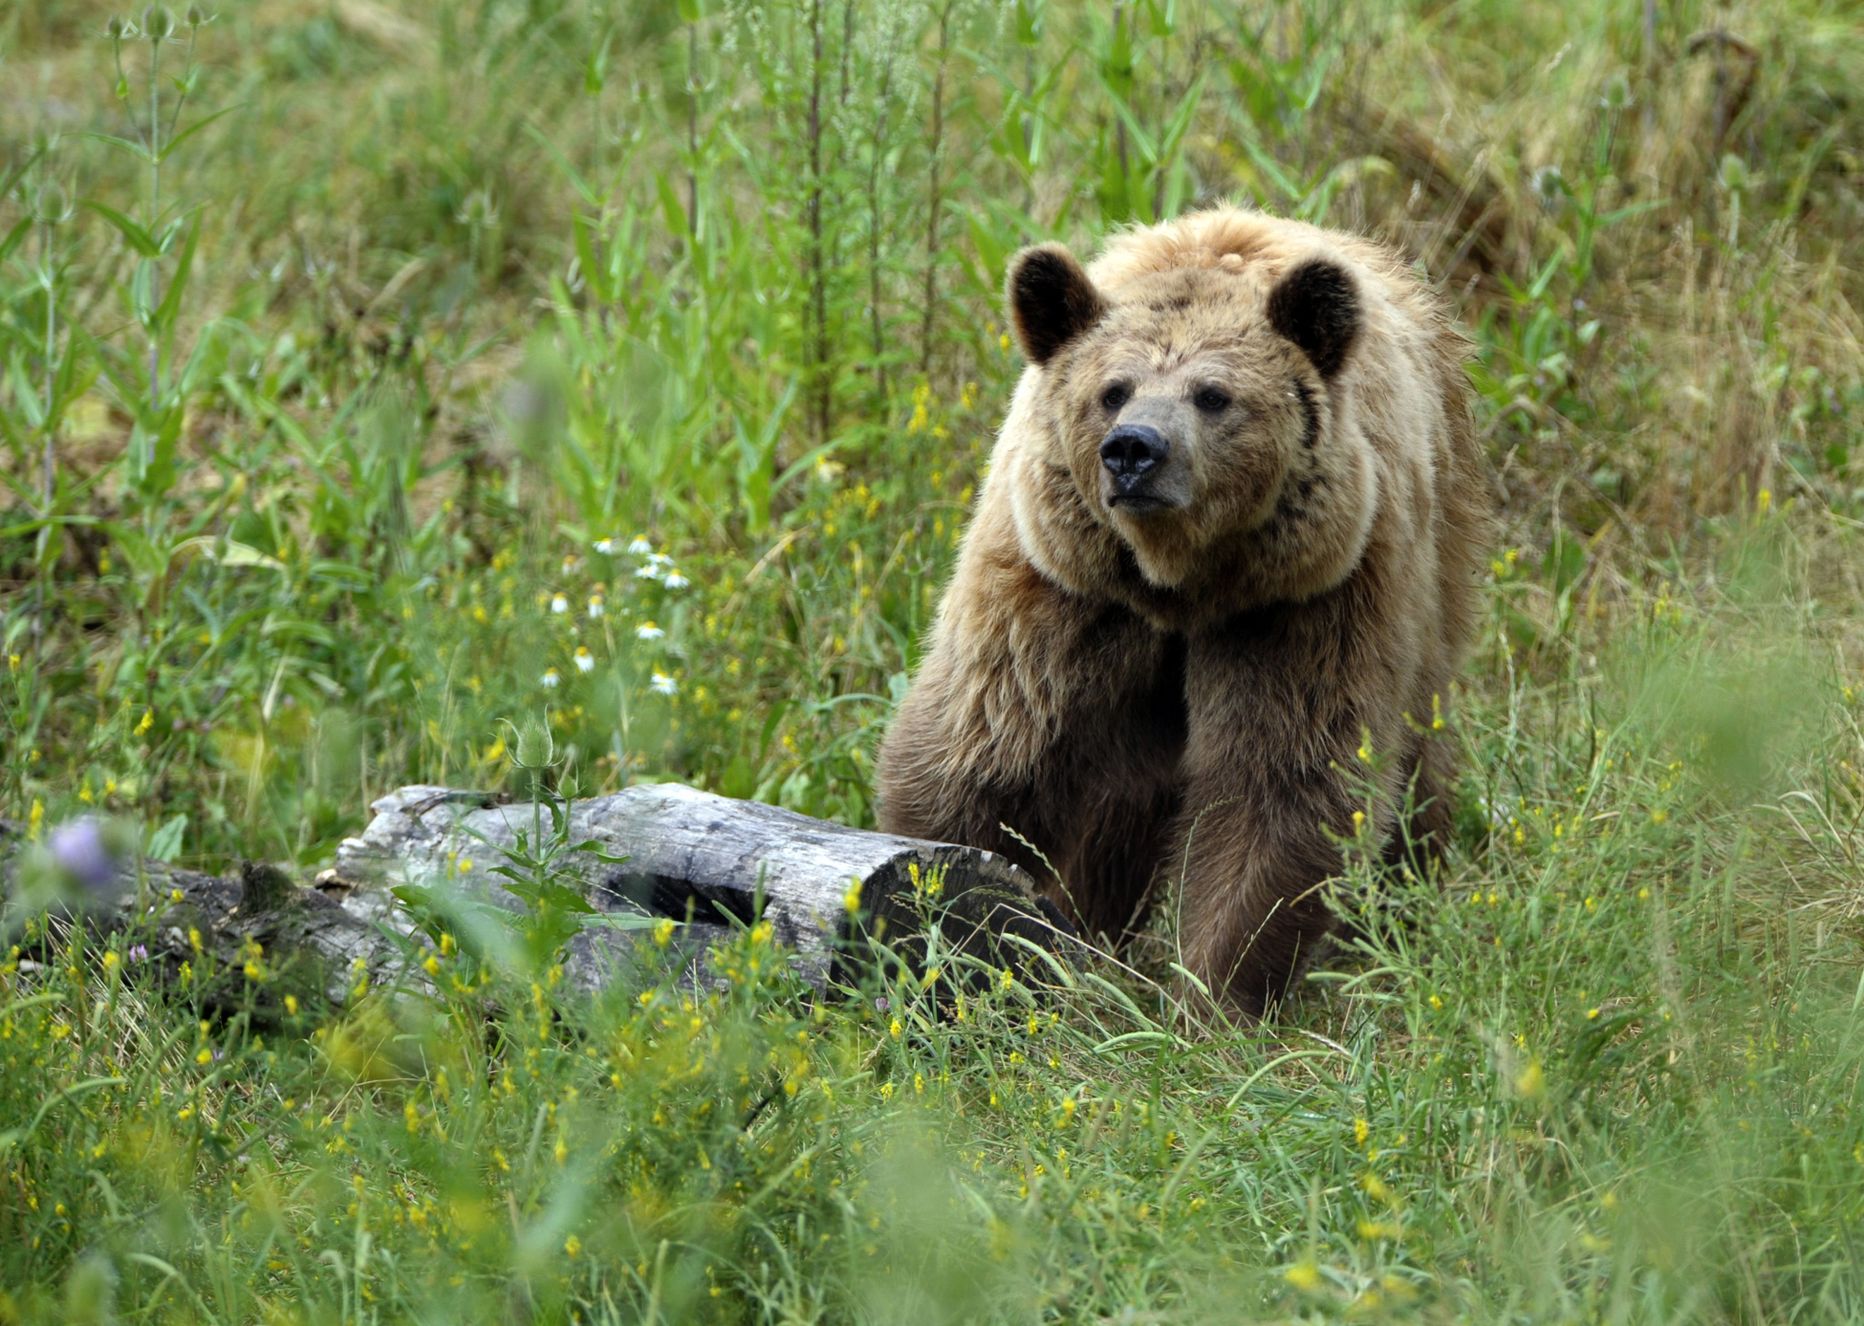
<point>80,851</point>
<point>137,952</point>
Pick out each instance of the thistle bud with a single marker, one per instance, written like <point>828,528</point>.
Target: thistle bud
<point>536,748</point>
<point>157,23</point>
<point>52,205</point>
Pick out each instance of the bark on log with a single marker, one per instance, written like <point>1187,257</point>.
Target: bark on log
<point>660,850</point>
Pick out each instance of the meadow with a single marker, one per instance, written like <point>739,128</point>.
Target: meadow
<point>554,394</point>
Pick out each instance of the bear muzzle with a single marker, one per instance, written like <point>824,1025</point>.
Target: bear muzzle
<point>1135,457</point>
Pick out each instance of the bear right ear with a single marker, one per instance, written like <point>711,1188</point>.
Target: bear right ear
<point>1052,301</point>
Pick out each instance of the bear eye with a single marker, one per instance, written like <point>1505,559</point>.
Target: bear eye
<point>1211,400</point>
<point>1115,395</point>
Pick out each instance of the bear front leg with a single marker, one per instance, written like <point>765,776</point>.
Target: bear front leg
<point>1277,714</point>
<point>1056,717</point>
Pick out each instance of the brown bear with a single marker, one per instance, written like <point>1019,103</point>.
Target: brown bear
<point>1213,591</point>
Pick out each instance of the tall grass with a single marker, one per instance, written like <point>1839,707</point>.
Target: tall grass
<point>377,383</point>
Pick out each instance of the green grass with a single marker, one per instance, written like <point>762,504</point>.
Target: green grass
<point>303,430</point>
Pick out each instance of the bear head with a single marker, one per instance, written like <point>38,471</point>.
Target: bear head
<point>1196,418</point>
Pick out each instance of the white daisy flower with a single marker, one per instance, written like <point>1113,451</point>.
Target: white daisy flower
<point>585,661</point>
<point>550,679</point>
<point>596,604</point>
<point>571,564</point>
<point>675,580</point>
<point>648,572</point>
<point>664,684</point>
<point>648,631</point>
<point>660,561</point>
<point>640,547</point>
<point>559,604</point>
<point>605,546</point>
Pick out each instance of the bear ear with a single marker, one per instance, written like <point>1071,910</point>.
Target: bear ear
<point>1316,305</point>
<point>1051,299</point>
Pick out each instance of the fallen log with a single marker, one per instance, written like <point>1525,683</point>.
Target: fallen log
<point>707,862</point>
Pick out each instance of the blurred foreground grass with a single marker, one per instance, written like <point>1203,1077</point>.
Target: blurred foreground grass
<point>630,368</point>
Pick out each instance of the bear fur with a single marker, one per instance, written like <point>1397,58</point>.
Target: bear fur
<point>1213,591</point>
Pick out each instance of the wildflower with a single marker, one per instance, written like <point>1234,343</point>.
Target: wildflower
<point>82,855</point>
<point>648,571</point>
<point>138,952</point>
<point>649,631</point>
<point>147,721</point>
<point>662,684</point>
<point>663,932</point>
<point>851,900</point>
<point>675,580</point>
<point>640,547</point>
<point>1530,1081</point>
<point>605,546</point>
<point>550,679</point>
<point>596,603</point>
<point>559,604</point>
<point>571,564</point>
<point>585,661</point>
<point>1361,1131</point>
<point>572,1245</point>
<point>291,1005</point>
<point>1303,1275</point>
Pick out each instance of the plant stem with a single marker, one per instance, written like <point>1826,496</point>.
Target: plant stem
<point>692,130</point>
<point>876,154</point>
<point>49,456</point>
<point>820,385</point>
<point>935,192</point>
<point>155,198</point>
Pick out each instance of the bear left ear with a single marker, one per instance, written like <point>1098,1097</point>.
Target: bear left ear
<point>1316,305</point>
<point>1051,299</point>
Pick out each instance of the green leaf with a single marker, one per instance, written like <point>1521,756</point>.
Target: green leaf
<point>168,149</point>
<point>165,843</point>
<point>138,238</point>
<point>178,279</point>
<point>127,144</point>
<point>227,552</point>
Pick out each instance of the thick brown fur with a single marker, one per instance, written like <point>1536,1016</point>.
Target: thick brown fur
<point>1175,687</point>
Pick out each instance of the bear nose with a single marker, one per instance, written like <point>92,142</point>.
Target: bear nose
<point>1133,450</point>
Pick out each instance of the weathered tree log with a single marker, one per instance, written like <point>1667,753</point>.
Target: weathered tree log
<point>707,862</point>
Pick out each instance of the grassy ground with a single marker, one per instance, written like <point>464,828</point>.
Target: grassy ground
<point>629,369</point>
